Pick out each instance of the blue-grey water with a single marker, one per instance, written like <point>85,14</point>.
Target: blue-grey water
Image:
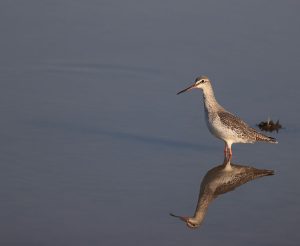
<point>97,149</point>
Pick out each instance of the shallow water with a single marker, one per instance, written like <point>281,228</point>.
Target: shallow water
<point>97,149</point>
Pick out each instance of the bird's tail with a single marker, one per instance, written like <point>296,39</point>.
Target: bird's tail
<point>264,138</point>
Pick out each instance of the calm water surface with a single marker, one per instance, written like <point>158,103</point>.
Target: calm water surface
<point>97,149</point>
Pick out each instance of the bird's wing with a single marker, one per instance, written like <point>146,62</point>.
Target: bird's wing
<point>241,128</point>
<point>236,124</point>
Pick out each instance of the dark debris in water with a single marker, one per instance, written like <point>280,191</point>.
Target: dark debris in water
<point>270,126</point>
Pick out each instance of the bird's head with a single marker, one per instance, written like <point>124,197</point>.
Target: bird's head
<point>200,83</point>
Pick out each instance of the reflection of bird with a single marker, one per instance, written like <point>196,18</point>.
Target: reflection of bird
<point>221,123</point>
<point>217,181</point>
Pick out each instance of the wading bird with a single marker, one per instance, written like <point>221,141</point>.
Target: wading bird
<point>223,124</point>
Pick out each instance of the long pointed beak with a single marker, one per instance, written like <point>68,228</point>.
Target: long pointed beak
<point>186,89</point>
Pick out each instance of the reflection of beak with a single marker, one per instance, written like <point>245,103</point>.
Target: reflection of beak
<point>180,217</point>
<point>186,220</point>
<point>186,89</point>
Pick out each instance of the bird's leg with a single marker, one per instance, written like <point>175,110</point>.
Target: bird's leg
<point>225,151</point>
<point>230,153</point>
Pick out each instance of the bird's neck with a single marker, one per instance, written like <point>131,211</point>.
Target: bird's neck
<point>209,99</point>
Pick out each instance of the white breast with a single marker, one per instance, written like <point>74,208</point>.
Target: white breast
<point>220,131</point>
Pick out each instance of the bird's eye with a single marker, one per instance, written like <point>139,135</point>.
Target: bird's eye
<point>202,81</point>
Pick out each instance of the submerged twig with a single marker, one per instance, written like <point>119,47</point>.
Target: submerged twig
<point>269,126</point>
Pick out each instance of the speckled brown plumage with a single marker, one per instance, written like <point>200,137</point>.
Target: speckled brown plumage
<point>242,129</point>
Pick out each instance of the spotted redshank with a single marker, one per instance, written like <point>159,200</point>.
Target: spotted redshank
<point>223,124</point>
